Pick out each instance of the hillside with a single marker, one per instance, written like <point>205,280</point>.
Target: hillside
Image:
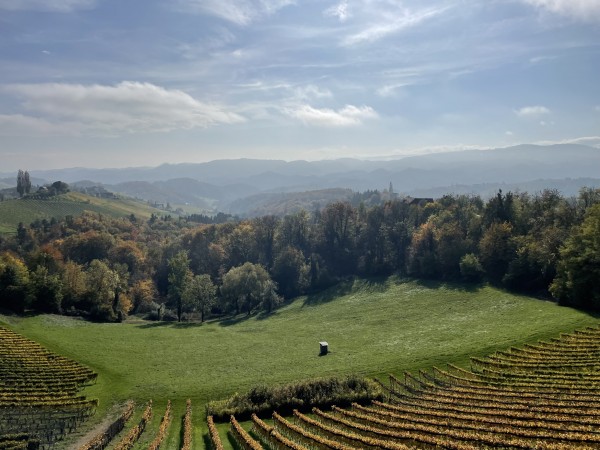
<point>73,203</point>
<point>229,185</point>
<point>374,327</point>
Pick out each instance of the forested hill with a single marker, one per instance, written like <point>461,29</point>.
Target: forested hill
<point>219,185</point>
<point>103,267</point>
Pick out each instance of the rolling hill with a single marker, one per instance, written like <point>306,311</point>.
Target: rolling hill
<point>27,210</point>
<point>224,185</point>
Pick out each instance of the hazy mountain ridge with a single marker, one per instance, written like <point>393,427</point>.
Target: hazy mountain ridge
<point>221,184</point>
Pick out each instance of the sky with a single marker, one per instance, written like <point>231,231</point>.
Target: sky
<point>120,83</point>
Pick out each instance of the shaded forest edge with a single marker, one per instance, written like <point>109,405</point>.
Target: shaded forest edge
<point>104,268</point>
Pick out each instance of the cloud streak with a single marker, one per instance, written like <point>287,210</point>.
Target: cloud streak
<point>349,115</point>
<point>46,5</point>
<point>240,12</point>
<point>128,107</point>
<point>391,23</point>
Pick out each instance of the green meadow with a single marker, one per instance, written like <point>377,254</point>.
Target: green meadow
<point>373,327</point>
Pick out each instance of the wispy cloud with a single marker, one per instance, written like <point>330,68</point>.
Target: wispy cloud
<point>128,107</point>
<point>46,5</point>
<point>349,115</point>
<point>240,12</point>
<point>592,141</point>
<point>392,22</point>
<point>311,91</point>
<point>532,111</point>
<point>391,90</point>
<point>584,10</point>
<point>340,11</point>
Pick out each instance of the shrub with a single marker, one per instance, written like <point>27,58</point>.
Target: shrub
<point>303,395</point>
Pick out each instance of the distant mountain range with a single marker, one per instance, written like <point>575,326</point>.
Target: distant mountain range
<point>224,184</point>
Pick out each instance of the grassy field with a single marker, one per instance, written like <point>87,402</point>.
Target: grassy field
<point>73,203</point>
<point>373,328</point>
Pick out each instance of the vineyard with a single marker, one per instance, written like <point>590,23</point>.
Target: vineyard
<point>542,396</point>
<point>39,401</point>
<point>28,210</point>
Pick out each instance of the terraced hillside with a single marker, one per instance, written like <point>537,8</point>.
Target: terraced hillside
<point>543,396</point>
<point>39,401</point>
<point>27,210</point>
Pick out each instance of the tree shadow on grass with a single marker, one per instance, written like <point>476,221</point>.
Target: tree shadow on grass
<point>234,320</point>
<point>450,285</point>
<point>319,298</point>
<point>181,325</point>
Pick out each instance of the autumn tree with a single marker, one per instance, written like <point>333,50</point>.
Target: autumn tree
<point>143,293</point>
<point>14,283</point>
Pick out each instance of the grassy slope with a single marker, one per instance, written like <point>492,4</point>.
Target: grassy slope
<point>73,203</point>
<point>373,328</point>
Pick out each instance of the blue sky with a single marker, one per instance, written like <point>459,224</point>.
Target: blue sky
<point>115,83</point>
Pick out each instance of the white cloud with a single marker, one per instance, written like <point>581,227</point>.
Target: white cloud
<point>46,5</point>
<point>597,108</point>
<point>340,11</point>
<point>128,107</point>
<point>349,115</point>
<point>241,12</point>
<point>532,111</point>
<point>585,10</point>
<point>391,23</point>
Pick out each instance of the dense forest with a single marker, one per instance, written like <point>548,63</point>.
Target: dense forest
<point>174,269</point>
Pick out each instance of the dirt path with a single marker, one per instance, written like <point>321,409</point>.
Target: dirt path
<point>97,429</point>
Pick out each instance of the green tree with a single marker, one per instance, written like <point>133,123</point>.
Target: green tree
<point>21,183</point>
<point>46,291</point>
<point>103,287</point>
<point>179,277</point>
<point>200,294</point>
<point>497,250</point>
<point>249,286</point>
<point>74,284</point>
<point>576,282</point>
<point>470,268</point>
<point>290,272</point>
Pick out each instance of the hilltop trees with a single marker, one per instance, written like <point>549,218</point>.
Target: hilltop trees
<point>23,183</point>
<point>103,266</point>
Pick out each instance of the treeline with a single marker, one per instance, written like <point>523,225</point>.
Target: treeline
<point>543,244</point>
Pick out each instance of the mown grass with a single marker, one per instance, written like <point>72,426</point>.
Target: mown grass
<point>73,203</point>
<point>374,327</point>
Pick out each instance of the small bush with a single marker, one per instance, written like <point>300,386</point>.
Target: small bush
<point>303,396</point>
